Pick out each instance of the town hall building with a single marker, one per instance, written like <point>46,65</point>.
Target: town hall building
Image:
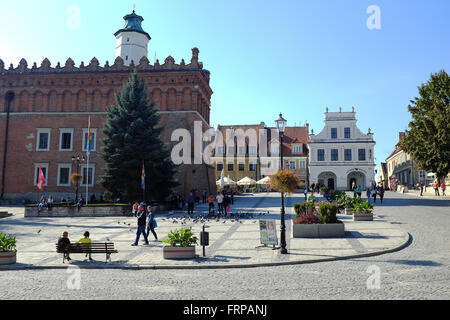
<point>44,113</point>
<point>341,155</point>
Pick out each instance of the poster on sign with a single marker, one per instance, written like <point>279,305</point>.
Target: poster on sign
<point>268,232</point>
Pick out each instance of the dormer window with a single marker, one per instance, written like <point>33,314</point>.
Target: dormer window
<point>297,149</point>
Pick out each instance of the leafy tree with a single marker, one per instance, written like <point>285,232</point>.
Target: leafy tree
<point>131,137</point>
<point>428,140</point>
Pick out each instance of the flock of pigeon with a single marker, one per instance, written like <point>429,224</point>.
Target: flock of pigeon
<point>184,220</point>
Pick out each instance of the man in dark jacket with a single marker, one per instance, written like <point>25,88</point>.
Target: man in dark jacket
<point>191,201</point>
<point>141,220</point>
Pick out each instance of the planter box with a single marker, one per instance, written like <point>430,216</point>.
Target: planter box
<point>349,211</point>
<point>362,216</point>
<point>332,230</point>
<point>179,252</point>
<point>8,257</point>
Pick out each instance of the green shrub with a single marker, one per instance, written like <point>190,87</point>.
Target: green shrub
<point>181,238</point>
<point>7,244</point>
<point>303,208</point>
<point>364,207</point>
<point>328,212</point>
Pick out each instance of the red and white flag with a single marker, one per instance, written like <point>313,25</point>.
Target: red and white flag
<point>41,180</point>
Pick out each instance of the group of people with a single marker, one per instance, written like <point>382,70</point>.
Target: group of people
<point>375,191</point>
<point>85,242</point>
<point>48,203</point>
<point>436,189</point>
<point>146,222</point>
<point>224,201</point>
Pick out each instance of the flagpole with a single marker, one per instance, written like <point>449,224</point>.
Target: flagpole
<point>88,143</point>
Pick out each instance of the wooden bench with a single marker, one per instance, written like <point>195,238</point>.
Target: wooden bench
<point>94,247</point>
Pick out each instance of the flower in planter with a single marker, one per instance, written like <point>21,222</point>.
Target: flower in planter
<point>308,218</point>
<point>284,181</point>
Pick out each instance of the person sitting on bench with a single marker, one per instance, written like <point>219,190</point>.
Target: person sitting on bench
<point>63,243</point>
<point>86,244</point>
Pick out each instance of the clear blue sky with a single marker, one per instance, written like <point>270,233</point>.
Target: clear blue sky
<point>265,57</point>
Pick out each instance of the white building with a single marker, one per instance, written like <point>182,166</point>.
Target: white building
<point>132,40</point>
<point>341,154</point>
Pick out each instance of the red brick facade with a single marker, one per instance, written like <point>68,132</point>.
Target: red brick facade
<point>64,97</point>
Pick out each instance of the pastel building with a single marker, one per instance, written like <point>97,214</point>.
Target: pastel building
<point>341,154</point>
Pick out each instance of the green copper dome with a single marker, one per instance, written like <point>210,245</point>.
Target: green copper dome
<point>133,23</point>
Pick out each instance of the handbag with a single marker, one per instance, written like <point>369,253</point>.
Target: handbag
<point>155,225</point>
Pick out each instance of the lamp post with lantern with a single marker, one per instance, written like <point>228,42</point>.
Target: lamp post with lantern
<point>281,126</point>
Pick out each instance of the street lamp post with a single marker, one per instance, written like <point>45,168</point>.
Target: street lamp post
<point>77,161</point>
<point>281,126</point>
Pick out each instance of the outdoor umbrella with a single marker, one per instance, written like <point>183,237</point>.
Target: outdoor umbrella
<point>246,181</point>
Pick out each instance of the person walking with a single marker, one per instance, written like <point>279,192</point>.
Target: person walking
<point>219,199</point>
<point>191,201</point>
<point>135,208</point>
<point>443,186</point>
<point>86,244</point>
<point>305,192</point>
<point>421,189</point>
<point>151,222</point>
<point>368,193</point>
<point>381,193</point>
<point>141,219</point>
<point>436,188</point>
<point>211,204</point>
<point>374,194</point>
<point>204,196</point>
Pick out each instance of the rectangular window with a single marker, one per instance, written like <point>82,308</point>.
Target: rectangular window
<point>241,166</point>
<point>321,155</point>
<point>297,149</point>
<point>64,172</point>
<point>362,154</point>
<point>220,151</point>
<point>44,167</point>
<point>348,154</point>
<point>242,150</point>
<point>85,139</point>
<point>302,164</point>
<point>43,140</point>
<point>252,166</point>
<point>333,133</point>
<point>219,166</point>
<point>292,164</point>
<point>274,150</point>
<point>230,151</point>
<point>230,166</point>
<point>65,138</point>
<point>252,150</point>
<point>334,155</point>
<point>347,133</point>
<point>87,175</point>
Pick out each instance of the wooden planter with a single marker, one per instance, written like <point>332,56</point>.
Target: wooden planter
<point>8,257</point>
<point>362,216</point>
<point>179,252</point>
<point>332,230</point>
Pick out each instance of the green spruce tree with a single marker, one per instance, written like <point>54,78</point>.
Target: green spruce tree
<point>428,140</point>
<point>131,137</point>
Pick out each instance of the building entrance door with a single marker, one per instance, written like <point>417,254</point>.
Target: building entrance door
<point>331,184</point>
